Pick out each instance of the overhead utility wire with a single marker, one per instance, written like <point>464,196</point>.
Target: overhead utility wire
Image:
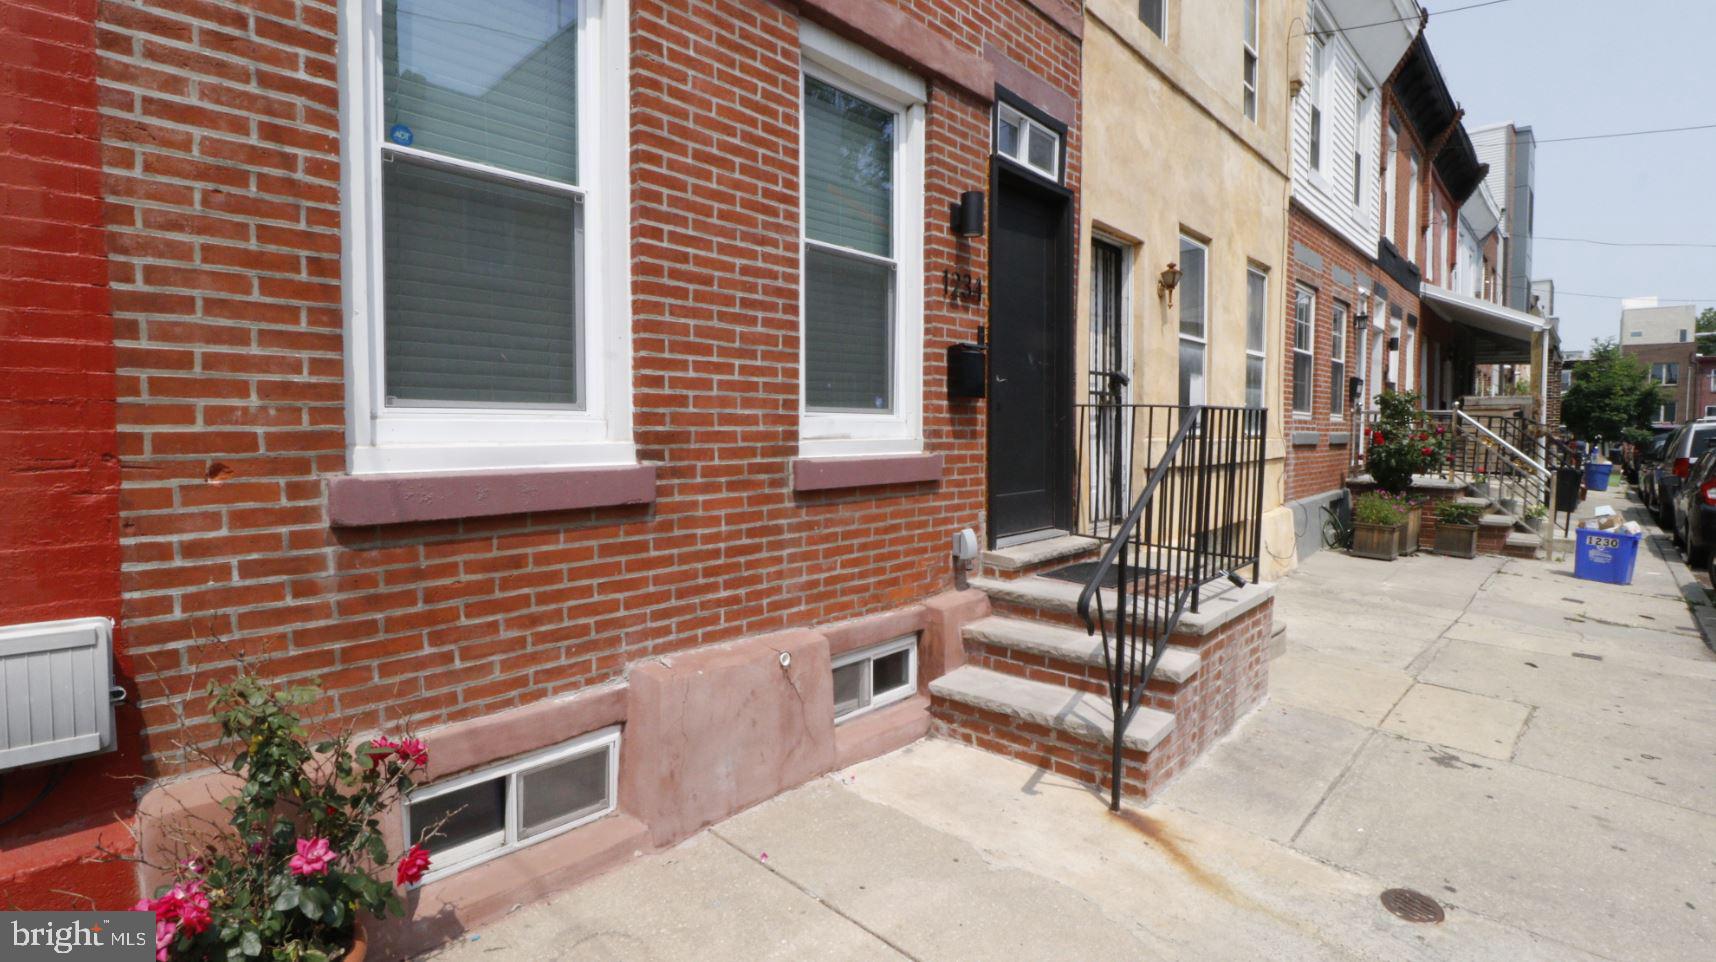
<point>1618,297</point>
<point>1606,243</point>
<point>1433,13</point>
<point>1628,133</point>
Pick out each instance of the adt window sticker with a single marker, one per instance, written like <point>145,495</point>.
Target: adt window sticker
<point>401,135</point>
<point>77,936</point>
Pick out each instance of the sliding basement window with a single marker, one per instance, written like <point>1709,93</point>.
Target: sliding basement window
<point>470,819</point>
<point>875,677</point>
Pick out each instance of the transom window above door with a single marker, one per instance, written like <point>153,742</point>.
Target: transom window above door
<point>1025,141</point>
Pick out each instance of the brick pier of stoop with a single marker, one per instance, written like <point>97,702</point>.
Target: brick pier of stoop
<point>1034,684</point>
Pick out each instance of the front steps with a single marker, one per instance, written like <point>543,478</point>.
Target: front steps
<point>1034,685</point>
<point>1023,560</point>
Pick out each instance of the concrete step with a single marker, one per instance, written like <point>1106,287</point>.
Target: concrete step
<point>1056,602</point>
<point>1521,544</point>
<point>1022,559</point>
<point>1500,520</point>
<point>1071,645</point>
<point>1082,715</point>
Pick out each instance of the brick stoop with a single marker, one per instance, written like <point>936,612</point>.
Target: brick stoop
<point>1035,686</point>
<point>1494,530</point>
<point>1522,545</point>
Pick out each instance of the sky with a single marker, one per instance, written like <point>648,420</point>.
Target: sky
<point>1569,68</point>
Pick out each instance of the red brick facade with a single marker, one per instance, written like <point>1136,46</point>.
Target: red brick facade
<point>1318,466</point>
<point>1688,390</point>
<point>219,156</point>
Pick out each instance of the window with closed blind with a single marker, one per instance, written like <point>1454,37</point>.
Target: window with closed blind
<point>862,298</point>
<point>485,185</point>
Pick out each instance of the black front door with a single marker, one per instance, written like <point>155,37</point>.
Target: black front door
<point>1030,357</point>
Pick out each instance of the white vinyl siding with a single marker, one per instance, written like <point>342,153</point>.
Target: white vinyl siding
<point>1340,190</point>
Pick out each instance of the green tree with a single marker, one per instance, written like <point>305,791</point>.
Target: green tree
<point>1612,397</point>
<point>1707,331</point>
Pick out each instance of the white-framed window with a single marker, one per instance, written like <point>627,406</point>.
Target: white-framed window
<point>1304,347</point>
<point>1154,13</point>
<point>484,167</point>
<point>1361,115</point>
<point>472,818</point>
<point>1319,63</point>
<point>1338,360</point>
<point>862,224</point>
<point>1712,378</point>
<point>1256,336</point>
<point>1665,372</point>
<point>1194,332</point>
<point>1026,142</point>
<point>1390,145</point>
<point>1249,80</point>
<point>1665,413</point>
<point>875,677</point>
<point>1710,410</point>
<point>1412,166</point>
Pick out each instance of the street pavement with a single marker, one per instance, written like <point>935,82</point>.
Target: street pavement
<point>1534,752</point>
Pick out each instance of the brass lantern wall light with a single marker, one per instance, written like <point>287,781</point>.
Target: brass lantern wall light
<point>1169,280</point>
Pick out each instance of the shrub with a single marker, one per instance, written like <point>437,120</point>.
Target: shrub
<point>1377,508</point>
<point>1456,513</point>
<point>297,861</point>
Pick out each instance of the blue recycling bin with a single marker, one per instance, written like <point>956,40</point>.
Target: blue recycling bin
<point>1597,476</point>
<point>1606,556</point>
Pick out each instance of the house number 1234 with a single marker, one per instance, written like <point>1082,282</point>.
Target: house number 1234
<point>961,287</point>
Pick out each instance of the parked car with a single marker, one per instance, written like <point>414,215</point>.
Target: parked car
<point>1684,447</point>
<point>1695,511</point>
<point>1649,460</point>
<point>1635,456</point>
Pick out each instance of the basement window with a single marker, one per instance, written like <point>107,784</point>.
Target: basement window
<point>874,677</point>
<point>473,818</point>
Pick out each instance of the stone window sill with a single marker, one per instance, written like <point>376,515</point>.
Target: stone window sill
<point>361,500</point>
<point>829,474</point>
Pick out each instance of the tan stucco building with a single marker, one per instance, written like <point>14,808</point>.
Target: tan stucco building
<point>1186,117</point>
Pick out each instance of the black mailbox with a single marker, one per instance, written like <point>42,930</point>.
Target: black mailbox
<point>967,373</point>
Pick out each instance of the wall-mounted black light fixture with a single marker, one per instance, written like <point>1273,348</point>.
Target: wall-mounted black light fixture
<point>1361,319</point>
<point>967,219</point>
<point>1394,343</point>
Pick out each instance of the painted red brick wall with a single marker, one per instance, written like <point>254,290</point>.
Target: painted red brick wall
<point>59,470</point>
<point>221,156</point>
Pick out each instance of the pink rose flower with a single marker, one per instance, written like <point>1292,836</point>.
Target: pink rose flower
<point>414,750</point>
<point>192,906</point>
<point>165,933</point>
<point>314,856</point>
<point>412,865</point>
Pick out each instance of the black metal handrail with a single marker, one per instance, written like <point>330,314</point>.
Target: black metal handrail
<point>1196,519</point>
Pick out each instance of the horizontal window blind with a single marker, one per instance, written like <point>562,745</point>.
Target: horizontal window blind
<point>495,82</point>
<point>848,312</point>
<point>480,290</point>
<point>849,170</point>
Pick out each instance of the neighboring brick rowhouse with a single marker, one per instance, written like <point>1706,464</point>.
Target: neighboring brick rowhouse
<point>59,473</point>
<point>1317,466</point>
<point>219,142</point>
<point>1684,393</point>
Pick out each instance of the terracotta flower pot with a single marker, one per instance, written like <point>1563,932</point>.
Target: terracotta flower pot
<point>360,945</point>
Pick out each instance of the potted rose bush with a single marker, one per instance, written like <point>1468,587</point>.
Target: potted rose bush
<point>1405,442</point>
<point>302,858</point>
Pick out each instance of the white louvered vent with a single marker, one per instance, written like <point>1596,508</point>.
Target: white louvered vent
<point>54,682</point>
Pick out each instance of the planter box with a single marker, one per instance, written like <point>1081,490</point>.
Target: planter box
<point>1379,541</point>
<point>1409,531</point>
<point>1457,540</point>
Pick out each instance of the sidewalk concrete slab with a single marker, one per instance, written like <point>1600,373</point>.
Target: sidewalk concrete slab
<point>1337,687</point>
<point>1471,723</point>
<point>1623,876</point>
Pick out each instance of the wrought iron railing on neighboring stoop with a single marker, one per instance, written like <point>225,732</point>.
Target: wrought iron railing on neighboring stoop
<point>1196,519</point>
